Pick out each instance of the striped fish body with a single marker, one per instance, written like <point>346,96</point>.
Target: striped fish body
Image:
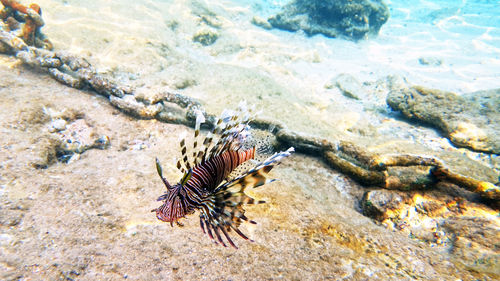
<point>200,184</point>
<point>206,186</point>
<point>209,174</point>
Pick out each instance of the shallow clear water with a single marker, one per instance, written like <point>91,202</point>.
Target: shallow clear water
<point>92,216</point>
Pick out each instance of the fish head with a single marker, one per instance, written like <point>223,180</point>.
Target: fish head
<point>174,207</point>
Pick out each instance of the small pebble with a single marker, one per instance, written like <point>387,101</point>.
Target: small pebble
<point>57,125</point>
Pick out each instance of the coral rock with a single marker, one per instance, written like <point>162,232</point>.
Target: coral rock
<point>258,21</point>
<point>466,121</point>
<point>377,203</point>
<point>351,19</point>
<point>205,37</point>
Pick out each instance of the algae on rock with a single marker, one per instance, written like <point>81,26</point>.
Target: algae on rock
<point>465,229</point>
<point>351,19</point>
<point>205,37</point>
<point>469,121</point>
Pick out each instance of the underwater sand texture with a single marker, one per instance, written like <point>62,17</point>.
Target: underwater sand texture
<point>90,219</point>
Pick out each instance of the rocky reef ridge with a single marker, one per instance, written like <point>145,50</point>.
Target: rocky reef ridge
<point>468,121</point>
<point>354,20</point>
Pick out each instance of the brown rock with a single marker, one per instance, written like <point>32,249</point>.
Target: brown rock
<point>466,121</point>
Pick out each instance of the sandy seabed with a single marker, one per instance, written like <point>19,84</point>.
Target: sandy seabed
<point>90,219</point>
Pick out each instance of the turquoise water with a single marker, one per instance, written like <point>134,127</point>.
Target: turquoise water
<point>461,20</point>
<point>90,218</point>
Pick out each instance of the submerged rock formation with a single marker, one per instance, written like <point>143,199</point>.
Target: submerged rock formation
<point>352,19</point>
<point>466,229</point>
<point>469,121</point>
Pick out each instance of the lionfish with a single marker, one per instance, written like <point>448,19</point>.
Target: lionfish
<point>209,184</point>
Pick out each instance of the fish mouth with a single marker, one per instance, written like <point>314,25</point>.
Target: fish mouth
<point>169,212</point>
<point>161,216</point>
<point>171,220</point>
